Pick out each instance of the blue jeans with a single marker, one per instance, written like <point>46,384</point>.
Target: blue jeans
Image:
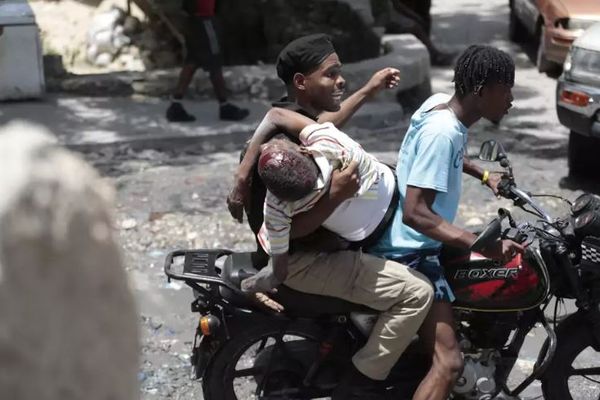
<point>427,262</point>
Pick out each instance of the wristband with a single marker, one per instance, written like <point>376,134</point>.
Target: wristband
<point>485,177</point>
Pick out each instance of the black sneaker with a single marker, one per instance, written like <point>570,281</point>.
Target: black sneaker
<point>176,113</point>
<point>231,112</point>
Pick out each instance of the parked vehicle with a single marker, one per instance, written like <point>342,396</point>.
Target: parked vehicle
<point>553,24</point>
<point>241,349</point>
<point>578,102</point>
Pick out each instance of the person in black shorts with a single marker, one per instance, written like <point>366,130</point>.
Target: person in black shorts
<point>203,50</point>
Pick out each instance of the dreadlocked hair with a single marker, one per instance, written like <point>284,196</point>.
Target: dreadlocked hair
<point>287,173</point>
<point>481,65</point>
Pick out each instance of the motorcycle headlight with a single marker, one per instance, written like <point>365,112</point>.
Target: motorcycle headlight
<point>584,203</point>
<point>588,224</point>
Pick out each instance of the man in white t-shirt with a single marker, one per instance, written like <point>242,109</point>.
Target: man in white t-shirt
<point>356,218</point>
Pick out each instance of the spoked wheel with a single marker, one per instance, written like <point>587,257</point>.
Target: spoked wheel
<point>262,364</point>
<point>575,370</point>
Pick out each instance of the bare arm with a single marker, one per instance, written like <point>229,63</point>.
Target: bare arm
<point>471,168</point>
<point>492,179</point>
<point>419,215</point>
<point>385,78</point>
<point>268,278</point>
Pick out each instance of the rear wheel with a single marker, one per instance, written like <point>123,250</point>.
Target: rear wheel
<point>246,367</point>
<point>575,370</point>
<point>583,159</point>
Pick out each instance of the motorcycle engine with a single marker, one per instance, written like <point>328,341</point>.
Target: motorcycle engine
<point>477,380</point>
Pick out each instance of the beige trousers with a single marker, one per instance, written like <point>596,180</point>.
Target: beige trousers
<point>402,294</point>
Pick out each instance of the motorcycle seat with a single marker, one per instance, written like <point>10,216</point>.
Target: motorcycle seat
<point>296,303</point>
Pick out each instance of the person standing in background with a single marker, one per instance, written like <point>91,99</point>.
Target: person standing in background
<point>203,50</point>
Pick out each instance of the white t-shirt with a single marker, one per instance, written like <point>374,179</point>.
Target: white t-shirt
<point>356,218</point>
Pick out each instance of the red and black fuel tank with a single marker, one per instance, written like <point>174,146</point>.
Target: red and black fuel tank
<point>481,284</point>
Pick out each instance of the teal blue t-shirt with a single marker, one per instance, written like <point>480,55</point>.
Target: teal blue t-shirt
<point>431,157</point>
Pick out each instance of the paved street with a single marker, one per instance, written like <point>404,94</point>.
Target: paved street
<point>168,201</point>
<point>175,199</point>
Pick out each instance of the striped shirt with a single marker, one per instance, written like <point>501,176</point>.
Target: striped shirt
<point>331,149</point>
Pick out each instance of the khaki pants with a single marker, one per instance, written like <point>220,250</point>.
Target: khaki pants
<point>403,296</point>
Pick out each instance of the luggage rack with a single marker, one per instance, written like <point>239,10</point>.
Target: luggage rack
<point>199,267</point>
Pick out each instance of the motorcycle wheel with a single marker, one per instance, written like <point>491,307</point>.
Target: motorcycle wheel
<point>235,374</point>
<point>574,373</point>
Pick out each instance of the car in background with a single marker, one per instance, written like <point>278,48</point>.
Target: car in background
<point>552,24</point>
<point>578,103</point>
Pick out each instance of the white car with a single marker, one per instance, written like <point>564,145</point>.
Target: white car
<point>578,102</point>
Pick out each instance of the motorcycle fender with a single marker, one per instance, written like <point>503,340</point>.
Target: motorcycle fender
<point>204,349</point>
<point>206,346</point>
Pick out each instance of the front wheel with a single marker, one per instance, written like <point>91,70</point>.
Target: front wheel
<point>260,361</point>
<point>575,370</point>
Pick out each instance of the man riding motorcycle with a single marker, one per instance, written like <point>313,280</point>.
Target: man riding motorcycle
<point>311,70</point>
<point>445,370</point>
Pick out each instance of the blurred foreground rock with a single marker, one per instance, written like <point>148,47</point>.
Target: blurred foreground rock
<point>68,324</point>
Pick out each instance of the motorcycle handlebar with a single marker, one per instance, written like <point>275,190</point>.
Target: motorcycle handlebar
<point>508,189</point>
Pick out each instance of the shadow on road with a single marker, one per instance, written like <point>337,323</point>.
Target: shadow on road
<point>587,184</point>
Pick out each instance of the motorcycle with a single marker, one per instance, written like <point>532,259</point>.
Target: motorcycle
<point>242,349</point>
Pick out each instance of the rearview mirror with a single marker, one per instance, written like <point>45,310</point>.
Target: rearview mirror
<point>491,151</point>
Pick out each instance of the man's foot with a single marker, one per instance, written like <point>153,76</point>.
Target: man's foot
<point>176,113</point>
<point>355,385</point>
<point>231,112</point>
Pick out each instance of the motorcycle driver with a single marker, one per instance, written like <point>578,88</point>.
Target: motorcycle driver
<point>429,171</point>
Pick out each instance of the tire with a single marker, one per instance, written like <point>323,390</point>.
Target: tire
<point>556,384</point>
<point>219,382</point>
<point>582,155</point>
<point>543,64</point>
<point>516,30</point>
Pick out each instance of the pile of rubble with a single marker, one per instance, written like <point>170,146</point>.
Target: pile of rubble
<point>121,42</point>
<point>100,36</point>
